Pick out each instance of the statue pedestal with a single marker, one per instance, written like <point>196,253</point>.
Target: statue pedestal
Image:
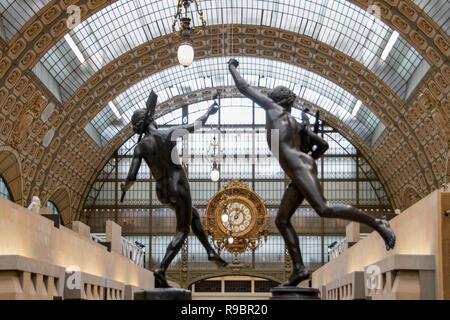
<point>294,293</point>
<point>163,294</point>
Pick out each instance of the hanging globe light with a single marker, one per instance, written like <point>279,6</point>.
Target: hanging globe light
<point>214,155</point>
<point>185,54</point>
<point>230,240</point>
<point>215,173</point>
<point>185,50</point>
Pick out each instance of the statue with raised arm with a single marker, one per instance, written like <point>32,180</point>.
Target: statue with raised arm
<point>299,147</point>
<point>172,187</point>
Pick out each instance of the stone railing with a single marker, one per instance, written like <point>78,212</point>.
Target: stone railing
<point>348,287</point>
<point>91,287</point>
<point>41,261</point>
<point>28,279</point>
<point>337,249</point>
<point>393,278</point>
<point>136,254</point>
<point>417,268</point>
<point>405,277</point>
<point>341,246</point>
<point>129,250</point>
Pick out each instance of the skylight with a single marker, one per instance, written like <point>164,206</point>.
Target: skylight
<point>213,72</point>
<point>125,24</point>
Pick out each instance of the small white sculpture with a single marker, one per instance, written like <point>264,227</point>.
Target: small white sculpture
<point>35,205</point>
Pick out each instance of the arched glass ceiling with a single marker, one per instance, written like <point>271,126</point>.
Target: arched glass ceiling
<point>259,72</point>
<point>16,13</point>
<point>126,24</point>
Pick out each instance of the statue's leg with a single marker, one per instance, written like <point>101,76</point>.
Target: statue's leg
<point>182,209</point>
<point>308,184</point>
<point>198,230</point>
<point>292,198</point>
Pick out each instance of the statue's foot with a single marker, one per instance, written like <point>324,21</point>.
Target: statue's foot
<point>160,279</point>
<point>214,257</point>
<point>297,276</point>
<point>386,233</point>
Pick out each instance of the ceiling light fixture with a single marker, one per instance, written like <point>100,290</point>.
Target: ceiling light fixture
<point>214,154</point>
<point>114,109</point>
<point>74,48</point>
<point>215,173</point>
<point>185,50</point>
<point>356,108</point>
<point>389,45</point>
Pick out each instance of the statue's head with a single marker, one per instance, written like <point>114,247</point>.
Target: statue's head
<point>137,120</point>
<point>283,96</point>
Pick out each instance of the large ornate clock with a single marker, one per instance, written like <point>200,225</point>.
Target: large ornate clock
<point>236,218</point>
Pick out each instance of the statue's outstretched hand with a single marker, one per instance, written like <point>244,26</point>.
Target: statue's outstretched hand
<point>233,62</point>
<point>213,109</point>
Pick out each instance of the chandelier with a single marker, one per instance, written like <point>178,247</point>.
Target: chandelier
<point>185,50</point>
<point>214,155</point>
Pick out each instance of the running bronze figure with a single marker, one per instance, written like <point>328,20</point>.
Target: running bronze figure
<point>297,158</point>
<point>172,187</point>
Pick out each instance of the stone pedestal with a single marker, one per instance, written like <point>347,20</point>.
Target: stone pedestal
<point>294,293</point>
<point>163,294</point>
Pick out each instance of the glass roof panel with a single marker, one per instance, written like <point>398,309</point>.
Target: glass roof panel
<point>4,192</point>
<point>16,13</point>
<point>213,72</point>
<point>126,24</point>
<point>438,10</point>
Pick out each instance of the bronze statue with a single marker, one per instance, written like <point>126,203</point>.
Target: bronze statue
<point>301,168</point>
<point>172,186</point>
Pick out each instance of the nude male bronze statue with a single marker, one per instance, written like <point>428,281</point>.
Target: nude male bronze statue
<point>172,186</point>
<point>297,158</point>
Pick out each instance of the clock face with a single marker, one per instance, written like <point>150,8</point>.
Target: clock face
<point>238,212</point>
<point>239,217</point>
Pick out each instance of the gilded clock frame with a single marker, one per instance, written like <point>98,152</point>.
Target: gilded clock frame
<point>250,238</point>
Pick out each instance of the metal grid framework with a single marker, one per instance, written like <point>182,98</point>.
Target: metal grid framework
<point>126,24</point>
<point>16,13</point>
<point>259,72</point>
<point>438,10</point>
<point>4,192</point>
<point>346,177</point>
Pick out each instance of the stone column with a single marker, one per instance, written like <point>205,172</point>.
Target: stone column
<point>352,231</point>
<point>114,236</point>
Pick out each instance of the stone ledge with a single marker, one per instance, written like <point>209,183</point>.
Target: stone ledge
<point>26,278</point>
